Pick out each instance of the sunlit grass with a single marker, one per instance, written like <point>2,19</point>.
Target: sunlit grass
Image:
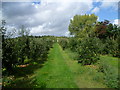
<point>55,73</point>
<point>61,70</point>
<point>109,66</point>
<point>85,76</point>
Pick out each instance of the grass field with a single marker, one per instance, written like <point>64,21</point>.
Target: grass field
<point>109,66</point>
<point>56,73</point>
<point>109,60</point>
<point>61,70</point>
<point>85,76</point>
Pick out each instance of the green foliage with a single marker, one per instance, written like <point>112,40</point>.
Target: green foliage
<point>26,61</point>
<point>109,66</point>
<point>63,42</point>
<point>14,50</point>
<point>104,30</point>
<point>24,49</point>
<point>39,48</point>
<point>110,46</point>
<point>81,25</point>
<point>90,38</point>
<point>9,54</point>
<point>22,75</point>
<point>88,51</point>
<point>111,78</point>
<point>73,44</point>
<point>72,55</point>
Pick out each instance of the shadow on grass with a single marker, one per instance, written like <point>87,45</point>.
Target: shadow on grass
<point>24,71</point>
<point>21,83</point>
<point>24,83</point>
<point>23,77</point>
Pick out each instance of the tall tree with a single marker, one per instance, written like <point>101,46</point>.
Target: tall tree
<point>81,25</point>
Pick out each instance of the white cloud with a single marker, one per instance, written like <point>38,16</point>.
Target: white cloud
<point>50,18</point>
<point>98,0</point>
<point>117,22</point>
<point>95,10</point>
<point>110,3</point>
<point>38,29</point>
<point>47,17</point>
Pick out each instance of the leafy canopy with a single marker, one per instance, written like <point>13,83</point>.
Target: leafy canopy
<point>81,25</point>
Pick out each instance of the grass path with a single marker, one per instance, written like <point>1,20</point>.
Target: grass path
<point>84,76</point>
<point>60,71</point>
<point>56,73</point>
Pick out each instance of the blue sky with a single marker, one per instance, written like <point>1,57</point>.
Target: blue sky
<point>110,13</point>
<point>48,17</point>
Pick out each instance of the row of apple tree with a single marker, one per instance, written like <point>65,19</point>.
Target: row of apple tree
<point>23,49</point>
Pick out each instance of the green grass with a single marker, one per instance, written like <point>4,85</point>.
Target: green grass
<point>109,66</point>
<point>55,73</point>
<point>85,76</point>
<point>61,70</point>
<point>89,74</point>
<point>109,60</point>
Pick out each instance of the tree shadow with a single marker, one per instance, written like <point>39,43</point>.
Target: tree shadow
<point>23,77</point>
<point>28,70</point>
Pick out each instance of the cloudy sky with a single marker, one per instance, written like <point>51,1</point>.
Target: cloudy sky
<point>51,17</point>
